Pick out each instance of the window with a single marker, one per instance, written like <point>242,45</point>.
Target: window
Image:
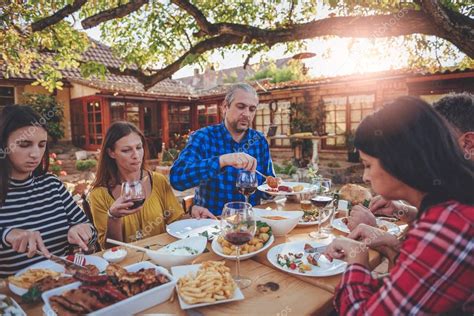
<point>207,114</point>
<point>281,118</point>
<point>94,122</point>
<point>117,111</point>
<point>179,119</point>
<point>344,114</point>
<point>7,96</point>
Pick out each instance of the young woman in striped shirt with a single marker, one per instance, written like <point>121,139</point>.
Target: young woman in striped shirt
<point>410,153</point>
<point>36,210</point>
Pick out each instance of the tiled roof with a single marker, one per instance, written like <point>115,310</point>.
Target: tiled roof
<point>101,53</point>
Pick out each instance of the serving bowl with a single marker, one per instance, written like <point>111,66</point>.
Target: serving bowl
<point>281,222</point>
<point>173,254</point>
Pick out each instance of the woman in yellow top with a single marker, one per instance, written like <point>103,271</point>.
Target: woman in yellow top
<point>122,159</point>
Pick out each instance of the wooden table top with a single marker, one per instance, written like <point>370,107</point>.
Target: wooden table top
<point>287,299</point>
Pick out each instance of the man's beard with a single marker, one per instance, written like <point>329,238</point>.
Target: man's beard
<point>237,129</point>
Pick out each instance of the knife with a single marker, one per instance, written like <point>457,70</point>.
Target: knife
<point>64,262</point>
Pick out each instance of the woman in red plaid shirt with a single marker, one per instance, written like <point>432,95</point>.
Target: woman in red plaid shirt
<point>410,153</point>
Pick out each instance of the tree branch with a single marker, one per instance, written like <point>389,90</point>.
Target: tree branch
<point>58,16</point>
<point>403,23</point>
<point>456,27</point>
<point>117,12</point>
<point>204,25</point>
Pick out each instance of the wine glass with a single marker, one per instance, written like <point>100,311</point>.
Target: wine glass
<point>320,200</point>
<point>246,183</point>
<point>238,227</point>
<point>133,191</point>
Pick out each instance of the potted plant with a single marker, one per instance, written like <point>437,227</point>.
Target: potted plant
<point>352,152</point>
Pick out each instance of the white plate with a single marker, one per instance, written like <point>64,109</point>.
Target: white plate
<point>216,247</point>
<point>339,225</point>
<point>129,306</point>
<point>194,227</point>
<point>326,267</point>
<point>181,271</point>
<point>100,263</point>
<point>307,186</point>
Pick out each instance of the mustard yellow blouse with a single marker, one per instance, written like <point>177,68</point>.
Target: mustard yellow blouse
<point>160,208</point>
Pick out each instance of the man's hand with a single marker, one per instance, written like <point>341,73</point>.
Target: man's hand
<point>238,161</point>
<point>80,235</point>
<point>373,237</point>
<point>201,212</point>
<point>26,241</point>
<point>359,215</point>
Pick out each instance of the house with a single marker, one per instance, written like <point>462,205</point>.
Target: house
<point>177,106</point>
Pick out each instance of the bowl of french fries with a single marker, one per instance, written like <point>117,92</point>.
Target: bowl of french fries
<point>179,252</point>
<point>208,283</point>
<point>260,242</point>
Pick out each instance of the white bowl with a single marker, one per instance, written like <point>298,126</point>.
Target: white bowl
<point>280,227</point>
<point>217,248</point>
<point>168,260</point>
<point>115,256</point>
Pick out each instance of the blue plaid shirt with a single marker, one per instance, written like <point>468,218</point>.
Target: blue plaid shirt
<point>198,166</point>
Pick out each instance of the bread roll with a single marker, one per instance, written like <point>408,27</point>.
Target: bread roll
<point>354,193</point>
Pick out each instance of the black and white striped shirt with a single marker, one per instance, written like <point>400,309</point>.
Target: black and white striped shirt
<point>38,204</point>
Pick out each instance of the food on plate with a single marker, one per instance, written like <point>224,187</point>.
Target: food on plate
<point>34,292</point>
<point>212,282</point>
<point>298,188</point>
<point>181,251</point>
<point>99,291</point>
<point>285,188</point>
<point>262,235</point>
<point>273,182</point>
<point>276,218</point>
<point>383,227</point>
<point>310,216</point>
<point>211,233</point>
<point>293,261</point>
<point>354,193</point>
<point>8,307</point>
<point>31,276</point>
<point>345,220</point>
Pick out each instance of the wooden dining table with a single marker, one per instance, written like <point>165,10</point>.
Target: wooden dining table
<point>296,295</point>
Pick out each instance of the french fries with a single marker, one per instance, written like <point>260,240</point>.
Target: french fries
<point>211,283</point>
<point>31,276</point>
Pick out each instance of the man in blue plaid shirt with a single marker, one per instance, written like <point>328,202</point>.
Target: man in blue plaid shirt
<point>214,155</point>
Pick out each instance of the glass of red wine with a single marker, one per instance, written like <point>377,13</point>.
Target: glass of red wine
<point>246,183</point>
<point>133,192</point>
<point>238,227</point>
<point>321,198</point>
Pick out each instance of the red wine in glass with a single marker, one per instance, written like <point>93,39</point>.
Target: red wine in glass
<point>321,200</point>
<point>247,190</point>
<point>136,203</point>
<point>238,238</point>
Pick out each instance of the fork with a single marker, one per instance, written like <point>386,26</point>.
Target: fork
<point>79,258</point>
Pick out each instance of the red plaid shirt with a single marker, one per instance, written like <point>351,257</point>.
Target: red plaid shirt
<point>433,274</point>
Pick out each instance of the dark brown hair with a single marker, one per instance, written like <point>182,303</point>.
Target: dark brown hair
<point>417,146</point>
<point>107,170</point>
<point>14,117</point>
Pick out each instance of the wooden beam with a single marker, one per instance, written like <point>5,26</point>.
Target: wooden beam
<point>165,123</point>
